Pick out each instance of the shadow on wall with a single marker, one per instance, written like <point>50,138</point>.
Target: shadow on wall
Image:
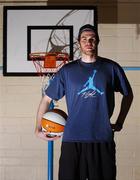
<point>110,11</point>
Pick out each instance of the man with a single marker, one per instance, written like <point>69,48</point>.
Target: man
<point>88,147</point>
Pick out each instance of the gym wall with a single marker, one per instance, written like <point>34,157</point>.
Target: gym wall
<point>22,155</point>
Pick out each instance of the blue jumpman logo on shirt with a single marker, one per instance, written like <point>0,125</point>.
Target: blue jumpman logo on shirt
<point>90,85</point>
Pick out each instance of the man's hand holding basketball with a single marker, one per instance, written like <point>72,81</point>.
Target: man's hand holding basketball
<point>45,136</point>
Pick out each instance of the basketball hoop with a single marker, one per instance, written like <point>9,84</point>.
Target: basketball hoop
<point>47,64</point>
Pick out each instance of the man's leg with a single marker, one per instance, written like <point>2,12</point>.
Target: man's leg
<point>72,162</point>
<point>101,161</point>
<point>68,163</point>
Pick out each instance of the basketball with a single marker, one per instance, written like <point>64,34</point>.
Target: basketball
<point>53,122</point>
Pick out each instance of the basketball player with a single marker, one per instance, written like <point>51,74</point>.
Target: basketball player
<point>89,84</point>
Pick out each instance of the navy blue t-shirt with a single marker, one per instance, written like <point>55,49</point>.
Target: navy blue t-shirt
<point>89,89</point>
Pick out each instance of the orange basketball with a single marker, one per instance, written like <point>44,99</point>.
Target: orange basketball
<point>53,122</point>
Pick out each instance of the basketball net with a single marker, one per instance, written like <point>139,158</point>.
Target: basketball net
<point>47,65</point>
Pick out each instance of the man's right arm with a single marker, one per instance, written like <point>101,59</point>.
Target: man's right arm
<point>42,109</point>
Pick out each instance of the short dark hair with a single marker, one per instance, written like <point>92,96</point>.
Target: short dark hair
<point>88,27</point>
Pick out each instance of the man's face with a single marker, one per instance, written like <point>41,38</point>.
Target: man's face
<point>88,42</point>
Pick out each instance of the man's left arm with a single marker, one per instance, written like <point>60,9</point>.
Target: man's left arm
<point>124,109</point>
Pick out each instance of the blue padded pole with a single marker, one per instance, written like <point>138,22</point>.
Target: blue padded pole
<point>50,160</point>
<point>50,153</point>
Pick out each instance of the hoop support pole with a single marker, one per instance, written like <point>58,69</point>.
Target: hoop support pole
<point>50,153</point>
<point>50,160</point>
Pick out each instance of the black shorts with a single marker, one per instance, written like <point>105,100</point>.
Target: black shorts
<point>92,161</point>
